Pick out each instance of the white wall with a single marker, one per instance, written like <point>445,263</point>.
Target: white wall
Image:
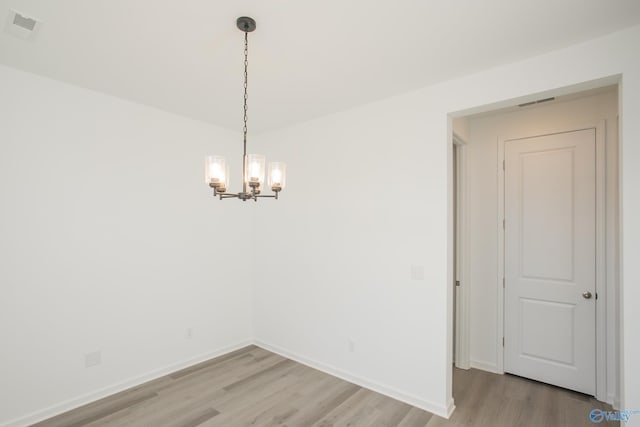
<point>369,198</point>
<point>335,264</point>
<point>109,241</point>
<point>484,134</point>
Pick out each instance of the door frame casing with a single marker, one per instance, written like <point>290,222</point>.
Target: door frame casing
<point>601,261</point>
<point>462,356</point>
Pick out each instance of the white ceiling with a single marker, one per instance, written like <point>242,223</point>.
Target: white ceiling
<point>306,59</point>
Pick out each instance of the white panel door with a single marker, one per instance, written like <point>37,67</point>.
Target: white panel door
<point>550,230</point>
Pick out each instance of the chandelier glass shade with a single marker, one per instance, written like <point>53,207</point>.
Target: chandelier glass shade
<point>253,165</point>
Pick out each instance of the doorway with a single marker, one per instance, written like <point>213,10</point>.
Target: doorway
<point>486,136</point>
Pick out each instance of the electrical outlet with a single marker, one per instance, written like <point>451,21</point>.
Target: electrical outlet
<point>92,359</point>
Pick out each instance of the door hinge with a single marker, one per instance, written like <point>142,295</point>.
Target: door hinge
<point>457,282</point>
<point>596,295</point>
<point>503,341</point>
<point>503,165</point>
<point>503,224</point>
<point>503,282</point>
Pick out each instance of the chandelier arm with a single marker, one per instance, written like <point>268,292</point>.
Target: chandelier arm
<point>227,195</point>
<point>223,195</point>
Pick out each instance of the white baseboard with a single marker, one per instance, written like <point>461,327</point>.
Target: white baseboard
<point>76,402</point>
<point>463,365</point>
<point>485,366</point>
<point>450,408</point>
<point>443,411</point>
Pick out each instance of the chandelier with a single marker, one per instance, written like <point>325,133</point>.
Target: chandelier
<point>216,167</point>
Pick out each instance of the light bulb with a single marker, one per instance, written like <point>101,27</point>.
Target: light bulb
<point>277,175</point>
<point>254,171</point>
<point>217,172</point>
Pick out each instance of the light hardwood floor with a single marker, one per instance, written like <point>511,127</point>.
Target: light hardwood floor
<point>484,399</point>
<point>254,387</point>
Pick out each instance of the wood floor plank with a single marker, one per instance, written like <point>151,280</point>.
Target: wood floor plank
<point>260,377</point>
<point>392,412</point>
<point>237,354</point>
<point>192,393</point>
<point>237,366</point>
<point>304,389</point>
<point>366,413</point>
<point>79,419</point>
<point>219,376</point>
<point>254,387</point>
<point>251,393</point>
<point>416,417</point>
<point>317,409</point>
<point>195,419</point>
<point>246,410</point>
<point>162,411</point>
<point>344,410</point>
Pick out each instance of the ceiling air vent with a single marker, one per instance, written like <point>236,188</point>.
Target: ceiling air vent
<point>25,22</point>
<point>539,101</point>
<point>22,26</point>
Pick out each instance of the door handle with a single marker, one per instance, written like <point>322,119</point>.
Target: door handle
<point>586,295</point>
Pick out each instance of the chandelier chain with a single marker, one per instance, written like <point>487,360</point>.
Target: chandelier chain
<point>246,75</point>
